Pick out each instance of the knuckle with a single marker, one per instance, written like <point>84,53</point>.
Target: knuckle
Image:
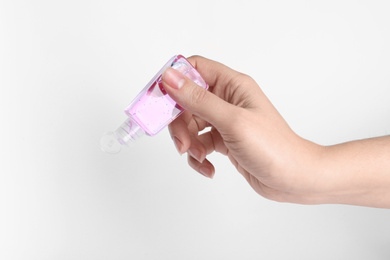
<point>246,79</point>
<point>194,59</point>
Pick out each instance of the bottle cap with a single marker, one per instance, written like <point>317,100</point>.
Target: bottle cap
<point>127,132</point>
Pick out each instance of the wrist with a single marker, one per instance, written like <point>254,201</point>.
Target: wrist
<point>316,186</point>
<point>328,181</point>
<point>300,176</point>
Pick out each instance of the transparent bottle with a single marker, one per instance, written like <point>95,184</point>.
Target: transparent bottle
<point>152,109</point>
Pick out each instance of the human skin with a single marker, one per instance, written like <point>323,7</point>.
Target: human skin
<point>277,163</point>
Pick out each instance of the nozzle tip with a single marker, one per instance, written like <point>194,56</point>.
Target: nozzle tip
<point>109,143</point>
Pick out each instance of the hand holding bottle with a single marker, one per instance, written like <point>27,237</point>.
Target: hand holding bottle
<point>276,162</point>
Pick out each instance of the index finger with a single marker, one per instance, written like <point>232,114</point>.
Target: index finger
<point>213,72</point>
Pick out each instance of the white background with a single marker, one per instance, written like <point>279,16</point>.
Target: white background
<point>69,68</point>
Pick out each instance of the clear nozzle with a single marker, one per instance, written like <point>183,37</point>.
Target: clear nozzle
<point>127,132</point>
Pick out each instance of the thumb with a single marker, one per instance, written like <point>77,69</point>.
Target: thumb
<point>196,99</point>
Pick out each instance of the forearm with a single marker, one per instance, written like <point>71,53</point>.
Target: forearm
<point>359,172</point>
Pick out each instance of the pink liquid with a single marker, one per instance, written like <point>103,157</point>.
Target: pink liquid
<point>153,109</point>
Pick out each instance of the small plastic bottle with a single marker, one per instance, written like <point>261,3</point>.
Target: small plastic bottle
<point>152,109</point>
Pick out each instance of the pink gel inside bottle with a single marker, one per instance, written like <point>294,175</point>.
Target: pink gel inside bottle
<point>152,109</point>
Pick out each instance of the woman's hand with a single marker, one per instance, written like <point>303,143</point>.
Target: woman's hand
<point>246,127</point>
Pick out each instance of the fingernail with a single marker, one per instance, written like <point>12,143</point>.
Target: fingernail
<point>205,171</point>
<point>178,145</point>
<point>195,153</point>
<point>173,78</point>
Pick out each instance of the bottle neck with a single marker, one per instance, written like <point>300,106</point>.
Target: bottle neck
<point>128,131</point>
